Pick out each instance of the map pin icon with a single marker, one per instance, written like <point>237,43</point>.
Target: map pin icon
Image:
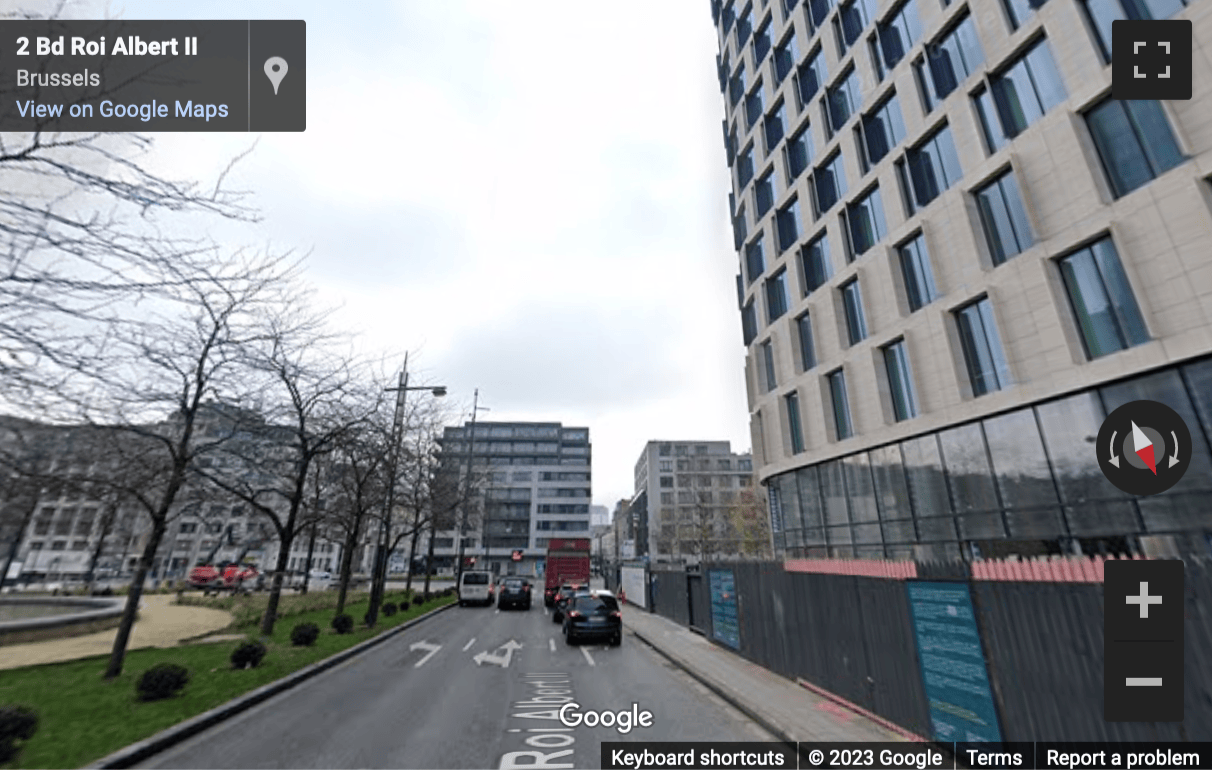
<point>275,70</point>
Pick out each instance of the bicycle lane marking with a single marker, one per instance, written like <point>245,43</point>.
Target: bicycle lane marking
<point>549,740</point>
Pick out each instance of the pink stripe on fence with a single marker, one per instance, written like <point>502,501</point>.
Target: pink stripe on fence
<point>1082,569</point>
<point>896,570</point>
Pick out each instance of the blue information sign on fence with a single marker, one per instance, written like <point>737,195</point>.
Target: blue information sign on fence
<point>952,663</point>
<point>724,624</point>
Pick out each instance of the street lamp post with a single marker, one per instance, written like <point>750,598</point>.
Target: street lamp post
<point>471,450</point>
<point>379,577</point>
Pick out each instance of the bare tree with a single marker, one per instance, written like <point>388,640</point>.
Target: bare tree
<point>357,467</point>
<point>314,404</point>
<point>749,520</point>
<point>177,359</point>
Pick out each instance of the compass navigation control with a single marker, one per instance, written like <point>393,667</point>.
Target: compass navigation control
<point>1144,448</point>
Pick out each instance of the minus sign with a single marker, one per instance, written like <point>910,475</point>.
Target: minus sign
<point>1144,681</point>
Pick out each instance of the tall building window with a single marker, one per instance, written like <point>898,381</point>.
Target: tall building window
<point>918,276</point>
<point>841,405</point>
<point>1004,218</point>
<point>788,224</point>
<point>1102,299</point>
<point>776,296</point>
<point>729,16</point>
<point>811,76</point>
<point>762,42</point>
<point>851,19</point>
<point>749,328</point>
<point>744,168</point>
<point>799,152</point>
<point>763,194</point>
<point>803,326</point>
<point>736,86</point>
<point>883,128</point>
<point>900,381</point>
<point>845,99</point>
<point>1103,12</point>
<point>1020,10</point>
<point>755,260</point>
<point>784,58</point>
<point>865,222</point>
<point>1134,141</point>
<point>983,355</point>
<point>1023,92</point>
<point>774,127</point>
<point>852,306</point>
<point>818,10</point>
<point>830,183</point>
<point>898,34</point>
<point>932,167</point>
<point>768,365</point>
<point>753,106</point>
<point>794,424</point>
<point>815,268</point>
<point>877,61</point>
<point>952,59</point>
<point>740,229</point>
<point>744,27</point>
<point>991,125</point>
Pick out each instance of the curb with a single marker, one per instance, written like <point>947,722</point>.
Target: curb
<point>729,697</point>
<point>137,752</point>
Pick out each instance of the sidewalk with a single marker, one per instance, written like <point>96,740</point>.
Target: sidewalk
<point>161,624</point>
<point>780,705</point>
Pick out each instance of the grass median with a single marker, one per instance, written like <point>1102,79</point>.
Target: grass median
<point>83,718</point>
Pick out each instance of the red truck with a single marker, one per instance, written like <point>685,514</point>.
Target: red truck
<point>567,562</point>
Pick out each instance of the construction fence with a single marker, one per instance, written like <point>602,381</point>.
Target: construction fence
<point>952,651</point>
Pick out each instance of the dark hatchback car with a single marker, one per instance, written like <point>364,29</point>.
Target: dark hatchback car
<point>515,592</point>
<point>566,592</point>
<point>593,616</point>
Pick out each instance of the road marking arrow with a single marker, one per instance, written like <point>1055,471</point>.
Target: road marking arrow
<point>424,646</point>
<point>499,660</point>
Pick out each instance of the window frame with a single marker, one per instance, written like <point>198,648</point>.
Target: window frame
<point>1000,372</point>
<point>1130,331</point>
<point>996,254</point>
<point>852,312</point>
<point>839,402</point>
<point>903,399</point>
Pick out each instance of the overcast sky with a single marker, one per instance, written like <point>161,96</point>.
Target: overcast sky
<point>529,197</point>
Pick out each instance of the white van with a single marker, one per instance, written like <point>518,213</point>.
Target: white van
<point>475,587</point>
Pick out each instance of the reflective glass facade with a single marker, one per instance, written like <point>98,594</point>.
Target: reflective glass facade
<point>1029,476</point>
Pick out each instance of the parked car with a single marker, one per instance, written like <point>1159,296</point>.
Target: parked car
<point>515,592</point>
<point>566,592</point>
<point>475,587</point>
<point>318,580</point>
<point>593,615</point>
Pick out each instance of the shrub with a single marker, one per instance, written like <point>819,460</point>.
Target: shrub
<point>248,655</point>
<point>304,634</point>
<point>418,600</point>
<point>163,680</point>
<point>390,609</point>
<point>17,723</point>
<point>343,624</point>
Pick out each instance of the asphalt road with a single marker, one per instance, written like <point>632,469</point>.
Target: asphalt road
<point>421,700</point>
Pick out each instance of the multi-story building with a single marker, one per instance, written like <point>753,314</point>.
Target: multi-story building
<point>530,483</point>
<point>684,494</point>
<point>77,518</point>
<point>958,254</point>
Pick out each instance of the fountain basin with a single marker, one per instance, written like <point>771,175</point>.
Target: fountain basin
<point>35,618</point>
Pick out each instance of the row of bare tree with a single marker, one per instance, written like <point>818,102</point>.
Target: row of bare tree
<point>190,369</point>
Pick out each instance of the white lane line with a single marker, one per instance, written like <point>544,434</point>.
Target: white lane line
<point>551,644</point>
<point>585,652</point>
<point>467,646</point>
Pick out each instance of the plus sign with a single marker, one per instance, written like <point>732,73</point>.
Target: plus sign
<point>1144,600</point>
